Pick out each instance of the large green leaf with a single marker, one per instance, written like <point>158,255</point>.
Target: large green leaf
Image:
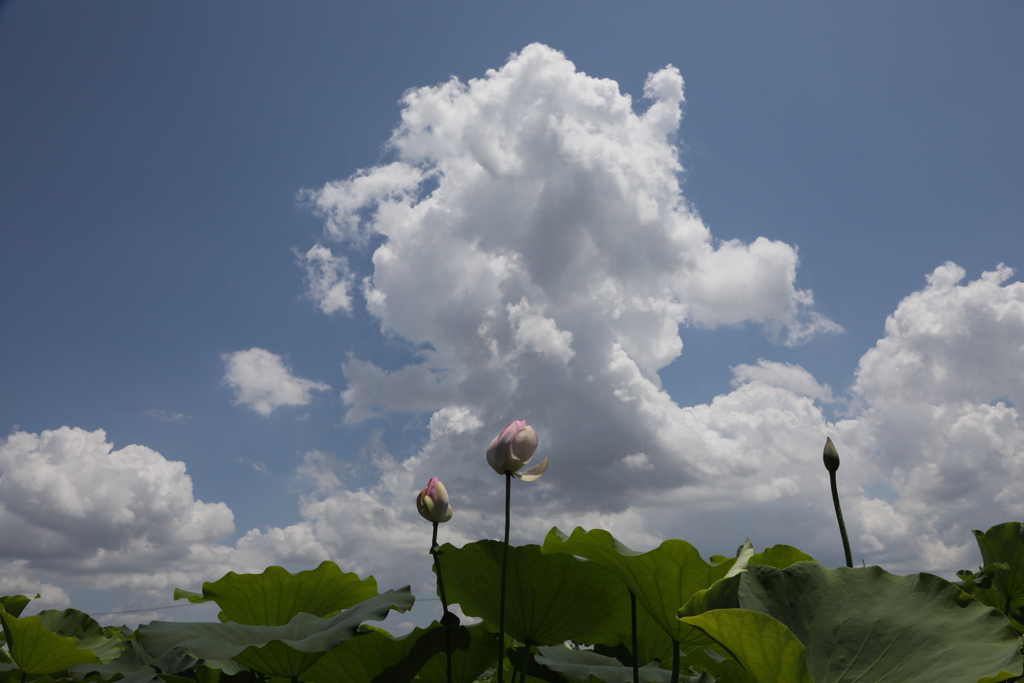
<point>138,666</point>
<point>579,665</point>
<point>549,598</point>
<point>869,625</point>
<point>779,556</point>
<point>54,640</point>
<point>720,668</point>
<point>653,644</point>
<point>467,664</point>
<point>662,579</point>
<point>274,597</point>
<point>305,633</point>
<point>763,646</point>
<point>1003,543</point>
<point>376,656</point>
<point>15,604</point>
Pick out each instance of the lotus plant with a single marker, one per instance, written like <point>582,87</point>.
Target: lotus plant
<point>831,458</point>
<point>434,506</point>
<point>508,453</point>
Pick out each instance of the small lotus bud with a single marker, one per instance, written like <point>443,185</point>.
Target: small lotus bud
<point>830,456</point>
<point>432,502</point>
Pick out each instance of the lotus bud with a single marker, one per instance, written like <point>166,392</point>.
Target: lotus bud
<point>432,502</point>
<point>512,449</point>
<point>830,456</point>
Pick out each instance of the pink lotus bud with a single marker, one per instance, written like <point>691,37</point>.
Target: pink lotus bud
<point>433,502</point>
<point>512,449</point>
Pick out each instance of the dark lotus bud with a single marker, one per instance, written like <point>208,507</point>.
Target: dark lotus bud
<point>830,456</point>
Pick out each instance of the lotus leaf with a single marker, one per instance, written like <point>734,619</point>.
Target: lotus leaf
<point>54,640</point>
<point>274,597</point>
<point>305,633</point>
<point>662,579</point>
<point>763,646</point>
<point>869,625</point>
<point>549,598</point>
<point>467,664</point>
<point>376,656</point>
<point>579,665</point>
<point>1003,545</point>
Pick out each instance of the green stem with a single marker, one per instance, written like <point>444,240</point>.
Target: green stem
<point>675,662</point>
<point>436,552</point>
<point>636,655</point>
<point>839,516</point>
<point>525,661</point>
<point>504,578</point>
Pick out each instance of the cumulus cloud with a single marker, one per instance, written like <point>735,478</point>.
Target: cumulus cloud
<point>76,511</point>
<point>532,240</point>
<point>66,493</point>
<point>555,234</point>
<point>940,421</point>
<point>262,381</point>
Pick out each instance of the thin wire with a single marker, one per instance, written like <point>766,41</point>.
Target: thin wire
<point>145,609</point>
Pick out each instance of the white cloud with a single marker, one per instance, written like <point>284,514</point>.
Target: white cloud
<point>556,232</point>
<point>67,494</point>
<point>940,420</point>
<point>17,579</point>
<point>165,416</point>
<point>951,342</point>
<point>546,275</point>
<point>262,382</point>
<point>532,331</point>
<point>785,375</point>
<point>329,279</point>
<point>76,511</point>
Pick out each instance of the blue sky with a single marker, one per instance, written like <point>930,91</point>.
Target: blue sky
<point>191,241</point>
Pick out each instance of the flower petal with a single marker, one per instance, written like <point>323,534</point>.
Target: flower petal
<point>533,473</point>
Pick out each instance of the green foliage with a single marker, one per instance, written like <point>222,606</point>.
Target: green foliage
<point>304,634</point>
<point>550,598</point>
<point>774,616</point>
<point>274,597</point>
<point>1002,553</point>
<point>54,640</point>
<point>277,596</point>
<point>138,666</point>
<point>763,646</point>
<point>579,665</point>
<point>662,579</point>
<point>869,625</point>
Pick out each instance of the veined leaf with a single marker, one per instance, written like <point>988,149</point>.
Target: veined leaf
<point>780,556</point>
<point>763,646</point>
<point>138,666</point>
<point>274,597</point>
<point>15,604</point>
<point>467,664</point>
<point>549,598</point>
<point>1003,543</point>
<point>54,640</point>
<point>377,656</point>
<point>662,579</point>
<point>305,633</point>
<point>869,625</point>
<point>579,665</point>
